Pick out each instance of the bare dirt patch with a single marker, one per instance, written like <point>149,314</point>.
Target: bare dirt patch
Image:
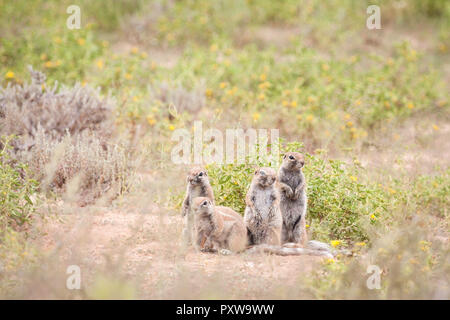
<point>146,250</point>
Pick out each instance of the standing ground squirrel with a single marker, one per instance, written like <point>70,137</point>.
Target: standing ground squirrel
<point>293,199</point>
<point>217,229</point>
<point>197,186</point>
<point>262,214</point>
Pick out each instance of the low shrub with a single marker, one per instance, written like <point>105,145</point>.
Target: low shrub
<point>340,206</point>
<point>16,190</point>
<point>64,134</point>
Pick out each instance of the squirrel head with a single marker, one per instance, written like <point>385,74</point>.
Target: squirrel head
<point>293,161</point>
<point>265,177</point>
<point>203,205</point>
<point>197,176</point>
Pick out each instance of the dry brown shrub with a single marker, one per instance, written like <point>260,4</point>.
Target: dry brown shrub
<point>66,136</point>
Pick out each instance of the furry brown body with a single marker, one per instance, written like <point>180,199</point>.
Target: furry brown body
<point>217,229</point>
<point>197,186</point>
<point>262,214</point>
<point>293,200</point>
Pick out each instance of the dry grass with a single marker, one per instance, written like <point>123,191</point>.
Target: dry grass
<point>65,135</point>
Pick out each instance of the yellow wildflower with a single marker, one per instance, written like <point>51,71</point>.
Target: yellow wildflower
<point>209,93</point>
<point>311,99</point>
<point>81,41</point>
<point>256,116</point>
<point>335,243</point>
<point>223,85</point>
<point>213,48</point>
<point>151,121</point>
<point>9,75</point>
<point>424,245</point>
<point>100,64</point>
<point>171,127</point>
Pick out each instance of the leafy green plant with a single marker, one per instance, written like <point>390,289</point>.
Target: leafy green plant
<point>16,189</point>
<point>339,205</point>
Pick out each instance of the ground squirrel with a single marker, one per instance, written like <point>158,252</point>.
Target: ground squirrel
<point>262,214</point>
<point>197,186</point>
<point>221,229</point>
<point>217,229</point>
<point>292,186</point>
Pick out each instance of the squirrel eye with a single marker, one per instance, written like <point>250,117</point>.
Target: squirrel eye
<point>200,174</point>
<point>291,157</point>
<point>205,202</point>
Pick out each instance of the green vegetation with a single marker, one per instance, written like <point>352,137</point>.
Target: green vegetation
<point>16,190</point>
<point>369,108</point>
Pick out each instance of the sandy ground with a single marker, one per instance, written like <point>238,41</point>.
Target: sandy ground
<point>146,250</point>
<point>139,243</point>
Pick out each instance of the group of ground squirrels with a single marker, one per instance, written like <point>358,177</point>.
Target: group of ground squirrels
<point>274,218</point>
